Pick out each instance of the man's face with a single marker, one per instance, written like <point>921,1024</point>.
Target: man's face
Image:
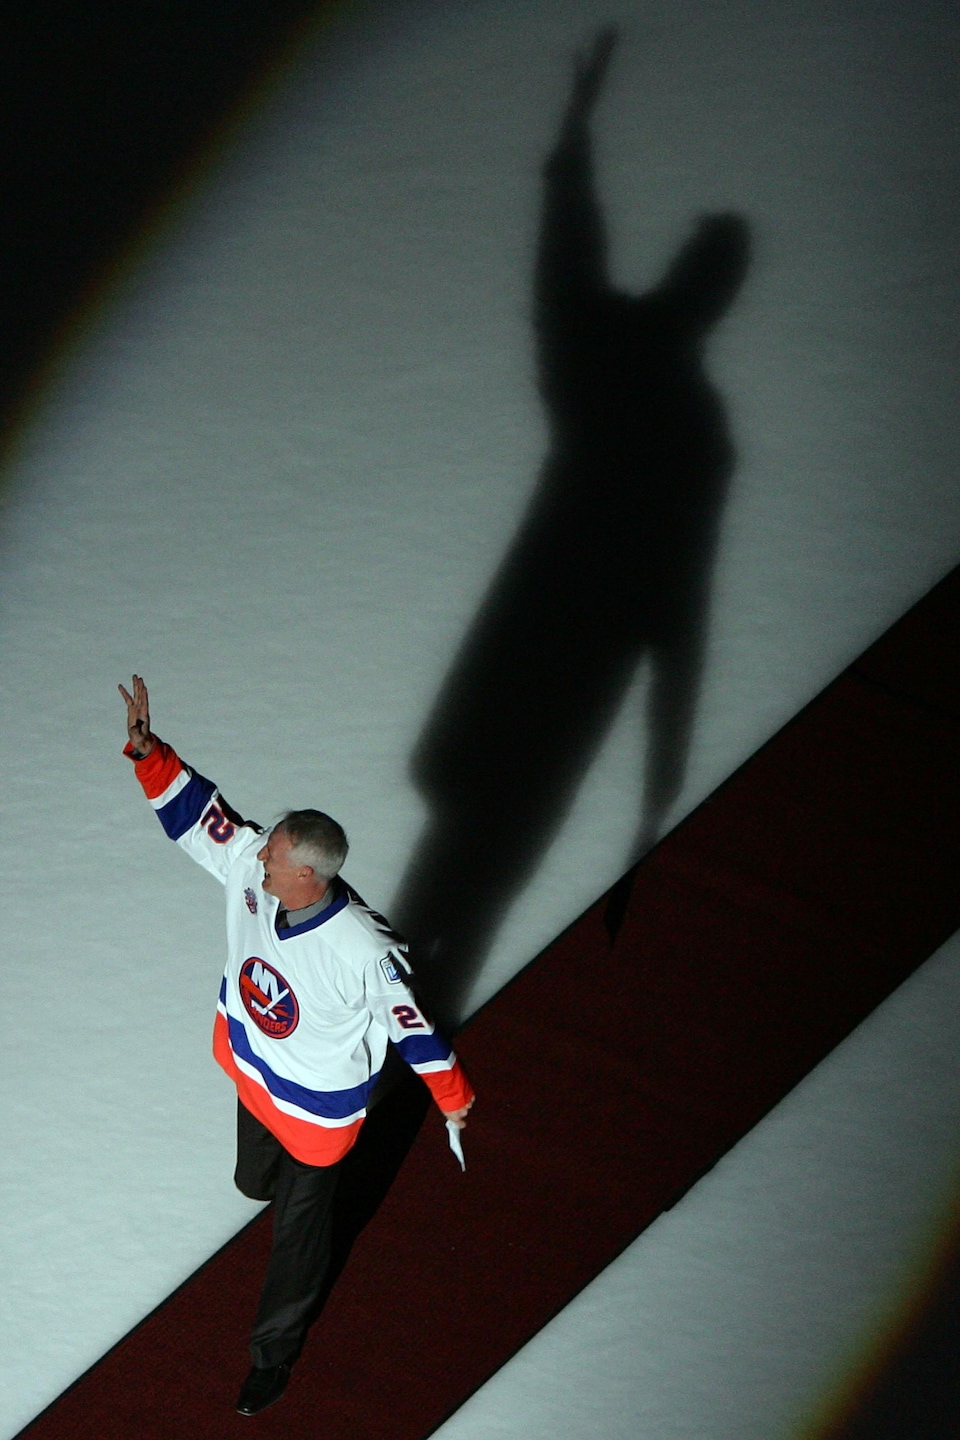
<point>281,877</point>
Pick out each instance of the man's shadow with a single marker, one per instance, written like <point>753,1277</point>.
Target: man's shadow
<point>611,567</point>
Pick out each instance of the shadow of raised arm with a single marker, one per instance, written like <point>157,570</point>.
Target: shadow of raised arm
<point>610,568</point>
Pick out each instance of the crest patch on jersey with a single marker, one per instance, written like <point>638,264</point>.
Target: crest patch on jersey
<point>268,999</point>
<point>390,970</point>
<point>251,900</point>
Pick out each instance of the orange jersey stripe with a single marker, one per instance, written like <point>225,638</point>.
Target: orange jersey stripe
<point>309,1143</point>
<point>160,768</point>
<point>450,1088</point>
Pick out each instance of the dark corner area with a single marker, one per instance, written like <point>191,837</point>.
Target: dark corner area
<point>611,567</point>
<point>915,1392</point>
<point>106,105</point>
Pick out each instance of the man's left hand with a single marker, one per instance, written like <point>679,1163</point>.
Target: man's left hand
<point>459,1117</point>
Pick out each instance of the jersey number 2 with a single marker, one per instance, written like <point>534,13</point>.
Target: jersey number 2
<point>217,826</point>
<point>408,1017</point>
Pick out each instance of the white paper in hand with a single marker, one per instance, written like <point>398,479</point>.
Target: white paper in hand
<point>455,1143</point>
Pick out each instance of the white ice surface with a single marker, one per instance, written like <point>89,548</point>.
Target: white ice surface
<point>276,471</point>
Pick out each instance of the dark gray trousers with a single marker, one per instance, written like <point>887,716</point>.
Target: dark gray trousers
<point>302,1198</point>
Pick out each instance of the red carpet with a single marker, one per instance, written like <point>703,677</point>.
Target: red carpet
<point>611,1076</point>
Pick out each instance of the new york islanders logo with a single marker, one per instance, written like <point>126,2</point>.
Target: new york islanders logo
<point>251,900</point>
<point>268,999</point>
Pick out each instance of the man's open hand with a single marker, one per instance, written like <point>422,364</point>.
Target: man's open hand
<point>138,716</point>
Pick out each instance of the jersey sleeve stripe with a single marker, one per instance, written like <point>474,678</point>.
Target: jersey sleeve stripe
<point>157,771</point>
<point>178,794</point>
<point>180,782</point>
<point>434,1067</point>
<point>450,1088</point>
<point>187,805</point>
<point>419,1050</point>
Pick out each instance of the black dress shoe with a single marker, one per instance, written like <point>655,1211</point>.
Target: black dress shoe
<point>262,1386</point>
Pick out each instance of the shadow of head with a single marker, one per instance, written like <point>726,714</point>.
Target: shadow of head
<point>705,278</point>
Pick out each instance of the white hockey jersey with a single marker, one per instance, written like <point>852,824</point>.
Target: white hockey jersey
<point>304,1013</point>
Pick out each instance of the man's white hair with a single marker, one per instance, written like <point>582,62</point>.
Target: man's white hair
<point>315,840</point>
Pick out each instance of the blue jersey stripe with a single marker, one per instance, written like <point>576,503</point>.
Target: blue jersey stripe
<point>185,809</point>
<point>327,1104</point>
<point>419,1049</point>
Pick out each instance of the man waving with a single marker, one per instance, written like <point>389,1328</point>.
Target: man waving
<point>315,984</point>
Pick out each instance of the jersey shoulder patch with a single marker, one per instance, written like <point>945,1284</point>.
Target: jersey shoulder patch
<point>391,970</point>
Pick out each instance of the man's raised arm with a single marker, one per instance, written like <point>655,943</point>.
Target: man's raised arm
<point>188,805</point>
